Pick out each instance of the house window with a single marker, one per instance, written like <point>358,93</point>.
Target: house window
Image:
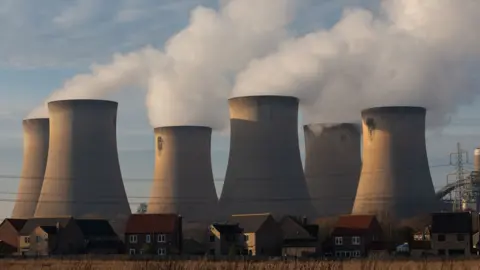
<point>245,237</point>
<point>132,251</point>
<point>356,240</point>
<point>26,239</point>
<point>161,238</point>
<point>337,254</point>
<point>356,253</point>
<point>212,238</point>
<point>162,251</point>
<point>147,238</point>
<point>37,239</point>
<point>133,238</point>
<point>460,237</point>
<point>441,237</point>
<point>441,252</point>
<point>338,240</point>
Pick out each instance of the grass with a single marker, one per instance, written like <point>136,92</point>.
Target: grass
<point>92,264</point>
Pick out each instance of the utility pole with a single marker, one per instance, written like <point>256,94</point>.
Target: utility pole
<point>462,187</point>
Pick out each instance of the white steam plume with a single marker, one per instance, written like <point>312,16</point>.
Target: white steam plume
<point>190,81</point>
<point>414,52</point>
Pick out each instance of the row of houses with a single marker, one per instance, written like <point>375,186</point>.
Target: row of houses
<point>351,236</point>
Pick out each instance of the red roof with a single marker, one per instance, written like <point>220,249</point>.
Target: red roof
<point>152,223</point>
<point>355,222</point>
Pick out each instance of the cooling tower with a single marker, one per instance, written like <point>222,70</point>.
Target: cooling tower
<point>264,172</point>
<point>476,160</point>
<point>395,181</point>
<point>332,166</point>
<point>82,177</point>
<point>35,152</point>
<point>183,178</point>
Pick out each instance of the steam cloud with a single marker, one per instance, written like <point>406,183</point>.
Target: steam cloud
<point>412,52</point>
<point>190,81</point>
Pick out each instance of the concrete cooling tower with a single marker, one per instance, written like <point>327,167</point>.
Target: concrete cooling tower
<point>332,166</point>
<point>183,178</point>
<point>35,152</point>
<point>395,181</point>
<point>82,177</point>
<point>264,172</point>
<point>476,160</point>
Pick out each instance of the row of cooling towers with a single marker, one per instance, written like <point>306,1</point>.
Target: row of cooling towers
<point>71,165</point>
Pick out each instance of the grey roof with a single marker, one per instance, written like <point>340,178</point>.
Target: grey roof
<point>95,227</point>
<point>293,230</point>
<point>249,223</point>
<point>456,222</point>
<point>49,229</point>
<point>227,228</point>
<point>31,224</point>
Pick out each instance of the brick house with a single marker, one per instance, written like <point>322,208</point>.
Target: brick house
<point>9,233</point>
<point>299,237</point>
<point>262,234</point>
<point>454,233</point>
<point>225,239</point>
<point>49,236</point>
<point>354,234</point>
<point>159,234</point>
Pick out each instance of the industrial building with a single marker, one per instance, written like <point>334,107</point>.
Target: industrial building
<point>332,166</point>
<point>264,172</point>
<point>183,179</point>
<point>35,152</point>
<point>82,177</point>
<point>395,180</point>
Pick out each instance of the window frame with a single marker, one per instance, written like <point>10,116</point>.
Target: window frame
<point>162,238</point>
<point>162,251</point>
<point>338,240</point>
<point>133,239</point>
<point>462,236</point>
<point>148,238</point>
<point>132,251</point>
<point>356,240</point>
<point>441,236</point>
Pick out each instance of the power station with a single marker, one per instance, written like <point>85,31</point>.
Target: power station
<point>264,172</point>
<point>332,166</point>
<point>183,179</point>
<point>395,180</point>
<point>35,152</point>
<point>82,177</point>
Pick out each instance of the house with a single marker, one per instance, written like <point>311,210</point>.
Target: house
<point>420,248</point>
<point>262,234</point>
<point>454,233</point>
<point>226,239</point>
<point>50,236</point>
<point>99,237</point>
<point>159,234</point>
<point>299,238</point>
<point>9,234</point>
<point>354,234</point>
<point>423,235</point>
<point>33,238</point>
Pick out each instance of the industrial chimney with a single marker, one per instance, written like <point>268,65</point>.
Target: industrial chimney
<point>183,178</point>
<point>83,177</point>
<point>35,152</point>
<point>264,172</point>
<point>332,166</point>
<point>395,181</point>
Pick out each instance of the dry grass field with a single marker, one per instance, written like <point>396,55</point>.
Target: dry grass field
<point>207,265</point>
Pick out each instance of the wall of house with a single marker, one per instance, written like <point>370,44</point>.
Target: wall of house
<point>451,242</point>
<point>268,239</point>
<point>9,234</point>
<point>39,243</point>
<point>347,244</point>
<point>154,244</point>
<point>23,244</point>
<point>251,243</point>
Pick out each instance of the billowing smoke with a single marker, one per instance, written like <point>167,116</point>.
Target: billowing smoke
<point>412,52</point>
<point>190,81</point>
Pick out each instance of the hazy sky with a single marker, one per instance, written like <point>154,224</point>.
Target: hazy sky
<point>46,42</point>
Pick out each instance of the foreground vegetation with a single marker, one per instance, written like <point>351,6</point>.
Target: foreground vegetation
<point>90,264</point>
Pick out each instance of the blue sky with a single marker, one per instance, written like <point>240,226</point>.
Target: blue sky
<point>46,42</point>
